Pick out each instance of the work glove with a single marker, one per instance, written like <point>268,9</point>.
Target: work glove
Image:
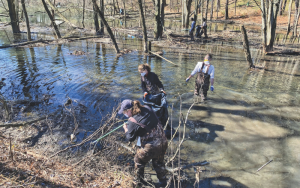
<point>145,94</point>
<point>187,79</point>
<point>212,88</point>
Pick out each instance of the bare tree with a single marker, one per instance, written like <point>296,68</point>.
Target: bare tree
<point>218,7</point>
<point>269,20</point>
<point>296,23</point>
<point>211,9</point>
<point>206,9</point>
<point>102,10</point>
<point>296,17</point>
<point>226,10</point>
<point>157,26</point>
<point>162,15</point>
<point>27,20</point>
<point>83,10</point>
<point>143,25</point>
<point>52,19</point>
<point>280,7</point>
<point>289,19</point>
<point>107,26</point>
<point>96,21</point>
<point>283,8</point>
<point>13,16</point>
<point>186,9</point>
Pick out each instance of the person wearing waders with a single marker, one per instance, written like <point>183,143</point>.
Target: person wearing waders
<point>203,29</point>
<point>191,32</point>
<point>205,74</point>
<point>154,95</point>
<point>144,126</point>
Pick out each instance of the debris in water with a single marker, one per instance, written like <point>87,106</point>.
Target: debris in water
<point>264,165</point>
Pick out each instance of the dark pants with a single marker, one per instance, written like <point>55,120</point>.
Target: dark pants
<point>152,148</point>
<point>204,30</point>
<point>202,84</point>
<point>191,33</point>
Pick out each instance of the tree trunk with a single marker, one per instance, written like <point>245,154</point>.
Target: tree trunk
<point>196,12</point>
<point>124,13</point>
<point>107,26</point>
<point>17,10</point>
<point>283,8</point>
<point>289,19</point>
<point>157,20</point>
<point>296,24</point>
<point>59,14</point>
<point>226,10</point>
<point>162,16</point>
<point>218,7</point>
<point>264,21</point>
<point>212,10</point>
<point>235,7</point>
<point>102,10</point>
<point>273,9</point>
<point>295,16</point>
<point>96,21</point>
<point>13,16</point>
<point>114,7</point>
<point>83,10</point>
<point>246,47</point>
<point>27,20</point>
<point>280,7</point>
<point>202,8</point>
<point>143,25</point>
<point>52,19</point>
<point>53,9</point>
<point>206,9</point>
<point>186,9</point>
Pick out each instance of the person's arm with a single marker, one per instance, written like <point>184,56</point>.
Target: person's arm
<point>131,131</point>
<point>212,81</point>
<point>194,71</point>
<point>212,78</point>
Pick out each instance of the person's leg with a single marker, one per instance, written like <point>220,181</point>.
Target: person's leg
<point>141,158</point>
<point>158,161</point>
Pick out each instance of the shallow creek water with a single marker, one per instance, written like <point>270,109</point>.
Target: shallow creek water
<point>251,118</point>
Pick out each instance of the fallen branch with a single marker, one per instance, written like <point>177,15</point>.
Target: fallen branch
<point>23,123</point>
<point>47,41</point>
<point>203,163</point>
<point>163,58</point>
<point>264,165</point>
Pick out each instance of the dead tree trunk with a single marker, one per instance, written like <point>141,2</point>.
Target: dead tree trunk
<point>212,10</point>
<point>52,19</point>
<point>226,10</point>
<point>289,19</point>
<point>143,25</point>
<point>27,20</point>
<point>202,14</point>
<point>270,12</point>
<point>102,10</point>
<point>246,47</point>
<point>157,20</point>
<point>96,21</point>
<point>13,16</point>
<point>53,9</point>
<point>107,26</point>
<point>162,16</point>
<point>83,10</point>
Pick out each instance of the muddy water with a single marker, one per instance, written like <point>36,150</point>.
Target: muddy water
<point>251,118</point>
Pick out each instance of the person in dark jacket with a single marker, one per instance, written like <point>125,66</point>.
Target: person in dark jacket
<point>150,81</point>
<point>144,126</point>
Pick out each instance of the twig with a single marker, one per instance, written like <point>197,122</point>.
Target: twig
<point>264,165</point>
<point>178,148</point>
<point>10,152</point>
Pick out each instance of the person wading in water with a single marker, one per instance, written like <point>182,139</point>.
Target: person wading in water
<point>205,73</point>
<point>154,95</point>
<point>152,143</point>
